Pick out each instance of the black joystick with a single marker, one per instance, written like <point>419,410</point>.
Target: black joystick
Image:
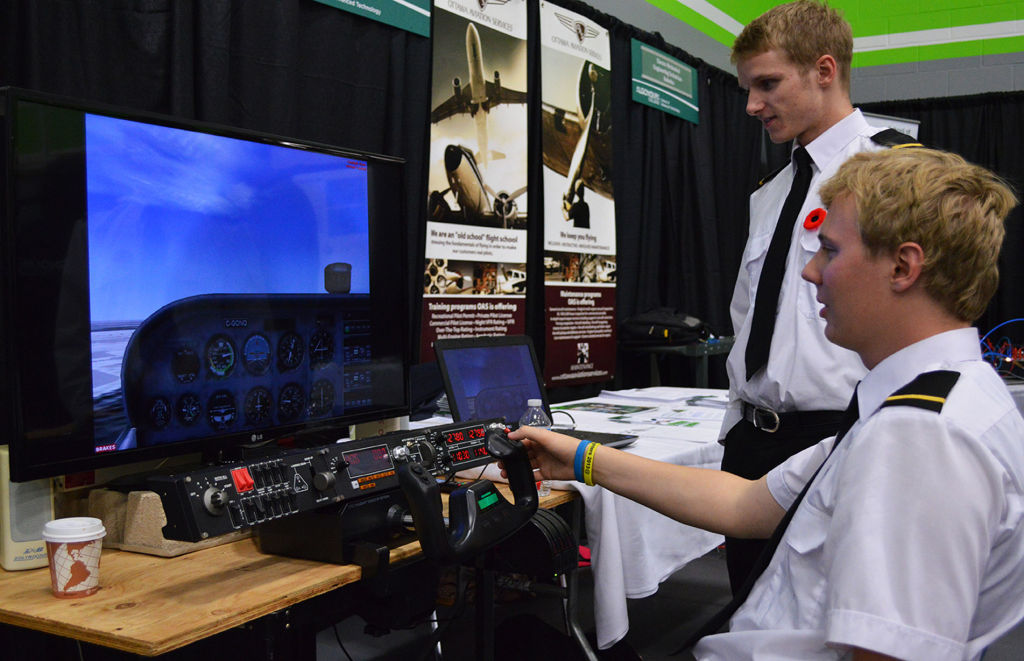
<point>479,515</point>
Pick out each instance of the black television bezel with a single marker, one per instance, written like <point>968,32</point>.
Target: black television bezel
<point>27,465</point>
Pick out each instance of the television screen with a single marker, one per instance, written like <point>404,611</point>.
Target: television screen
<point>173,287</point>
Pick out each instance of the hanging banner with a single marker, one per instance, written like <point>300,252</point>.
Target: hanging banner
<point>474,280</point>
<point>663,82</point>
<point>579,205</point>
<point>410,15</point>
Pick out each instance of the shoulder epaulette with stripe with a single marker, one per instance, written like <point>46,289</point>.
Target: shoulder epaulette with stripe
<point>894,139</point>
<point>927,391</point>
<point>887,138</point>
<point>771,175</point>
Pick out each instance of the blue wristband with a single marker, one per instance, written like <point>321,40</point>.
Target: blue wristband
<point>581,450</point>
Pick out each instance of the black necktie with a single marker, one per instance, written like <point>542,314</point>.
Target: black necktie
<point>719,619</point>
<point>766,301</point>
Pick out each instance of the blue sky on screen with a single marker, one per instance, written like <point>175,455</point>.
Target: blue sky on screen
<point>176,213</point>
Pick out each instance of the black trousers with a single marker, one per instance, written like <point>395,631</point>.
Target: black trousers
<point>750,453</point>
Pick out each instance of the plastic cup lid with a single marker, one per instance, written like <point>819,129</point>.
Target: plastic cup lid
<point>73,529</point>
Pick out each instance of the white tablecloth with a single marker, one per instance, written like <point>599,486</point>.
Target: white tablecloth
<point>634,548</point>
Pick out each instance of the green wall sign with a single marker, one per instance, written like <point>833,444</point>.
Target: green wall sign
<point>663,82</point>
<point>411,15</point>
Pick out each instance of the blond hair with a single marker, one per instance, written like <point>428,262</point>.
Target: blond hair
<point>804,30</point>
<point>954,210</point>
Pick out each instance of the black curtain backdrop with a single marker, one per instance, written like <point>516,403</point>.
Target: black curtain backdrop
<point>987,129</point>
<point>302,69</point>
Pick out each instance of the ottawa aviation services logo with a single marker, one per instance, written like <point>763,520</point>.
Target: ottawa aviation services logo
<point>483,3</point>
<point>579,28</point>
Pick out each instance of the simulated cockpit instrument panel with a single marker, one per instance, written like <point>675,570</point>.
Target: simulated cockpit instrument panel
<point>222,363</point>
<point>211,501</point>
<point>172,287</point>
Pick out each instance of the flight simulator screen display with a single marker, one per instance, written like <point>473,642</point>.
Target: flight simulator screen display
<point>180,216</point>
<point>172,287</point>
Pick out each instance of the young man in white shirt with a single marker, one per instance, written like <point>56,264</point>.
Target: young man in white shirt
<point>788,385</point>
<point>907,538</point>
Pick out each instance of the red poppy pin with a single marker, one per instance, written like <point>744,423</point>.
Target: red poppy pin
<point>814,219</point>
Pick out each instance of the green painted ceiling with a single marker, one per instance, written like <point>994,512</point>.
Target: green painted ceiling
<point>884,31</point>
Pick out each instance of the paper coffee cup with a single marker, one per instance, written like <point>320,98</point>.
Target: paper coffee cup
<point>73,548</point>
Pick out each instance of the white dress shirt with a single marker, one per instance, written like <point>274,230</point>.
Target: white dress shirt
<point>805,372</point>
<point>910,541</point>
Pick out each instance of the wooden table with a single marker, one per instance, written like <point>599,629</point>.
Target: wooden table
<point>149,605</point>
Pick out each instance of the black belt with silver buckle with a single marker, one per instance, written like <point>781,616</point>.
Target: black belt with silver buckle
<point>762,418</point>
<point>771,421</point>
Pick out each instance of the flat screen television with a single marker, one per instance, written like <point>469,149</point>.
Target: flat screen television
<point>172,287</point>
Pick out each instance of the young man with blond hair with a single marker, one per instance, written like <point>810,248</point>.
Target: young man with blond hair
<point>902,536</point>
<point>787,383</point>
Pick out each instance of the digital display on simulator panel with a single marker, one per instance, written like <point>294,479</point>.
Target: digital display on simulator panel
<point>368,461</point>
<point>466,444</point>
<point>200,285</point>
